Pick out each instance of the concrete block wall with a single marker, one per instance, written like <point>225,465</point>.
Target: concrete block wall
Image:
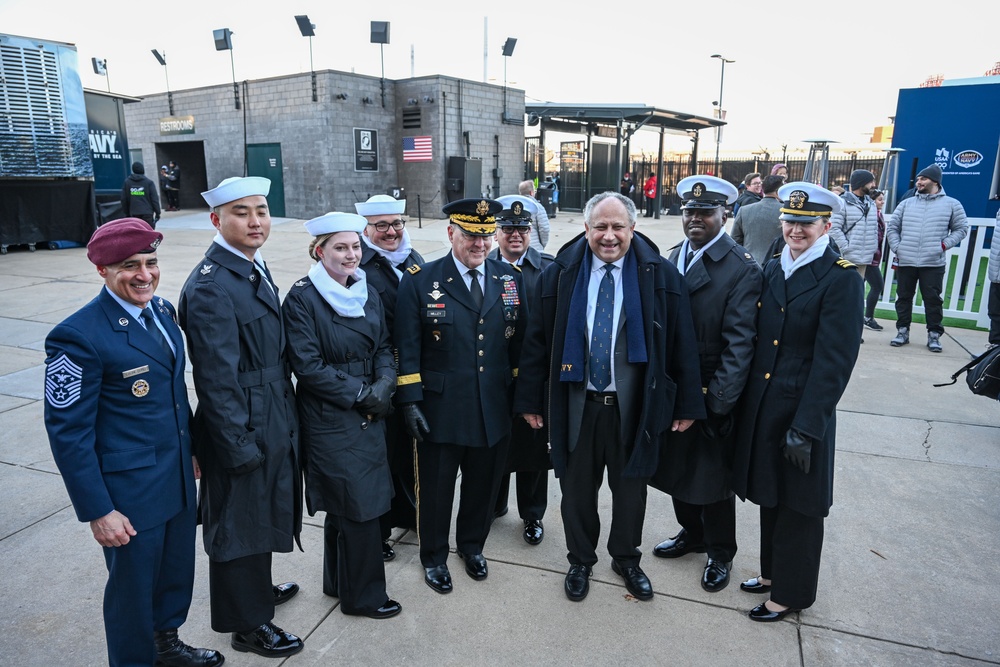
<point>317,138</point>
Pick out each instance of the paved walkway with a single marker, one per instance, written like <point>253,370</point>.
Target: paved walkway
<point>909,575</point>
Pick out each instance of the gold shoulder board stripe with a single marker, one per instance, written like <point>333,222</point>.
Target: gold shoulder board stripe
<point>514,372</point>
<point>413,269</point>
<point>407,379</point>
<point>844,264</point>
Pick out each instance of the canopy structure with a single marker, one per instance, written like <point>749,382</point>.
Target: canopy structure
<point>611,121</point>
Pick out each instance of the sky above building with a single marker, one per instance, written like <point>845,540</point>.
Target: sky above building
<point>804,71</point>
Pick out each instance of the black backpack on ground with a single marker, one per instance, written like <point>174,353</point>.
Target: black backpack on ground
<point>984,374</point>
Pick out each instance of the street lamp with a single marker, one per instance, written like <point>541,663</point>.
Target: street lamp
<point>224,42</point>
<point>308,29</point>
<point>380,36</point>
<point>722,113</point>
<point>162,59</point>
<point>508,51</point>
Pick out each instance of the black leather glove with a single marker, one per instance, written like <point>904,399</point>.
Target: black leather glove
<point>248,467</point>
<point>416,423</point>
<point>798,449</point>
<point>376,398</point>
<point>716,426</point>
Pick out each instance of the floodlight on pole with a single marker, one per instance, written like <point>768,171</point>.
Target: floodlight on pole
<point>508,51</point>
<point>722,113</point>
<point>308,29</point>
<point>101,69</point>
<point>224,42</point>
<point>162,59</point>
<point>380,36</point>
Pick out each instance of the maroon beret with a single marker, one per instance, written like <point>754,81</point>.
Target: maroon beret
<point>118,240</point>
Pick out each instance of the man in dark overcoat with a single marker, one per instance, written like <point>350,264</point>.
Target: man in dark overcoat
<point>808,337</point>
<point>117,415</point>
<point>614,339</point>
<point>387,253</point>
<point>245,427</point>
<point>462,320</point>
<point>529,449</point>
<point>724,282</point>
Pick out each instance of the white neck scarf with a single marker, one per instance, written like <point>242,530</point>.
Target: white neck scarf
<point>397,256</point>
<point>812,253</point>
<point>347,301</point>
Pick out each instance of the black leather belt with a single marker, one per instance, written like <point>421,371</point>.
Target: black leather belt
<point>602,397</point>
<point>358,368</point>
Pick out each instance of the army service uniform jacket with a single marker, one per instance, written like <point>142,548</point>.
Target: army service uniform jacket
<point>246,408</point>
<point>458,362</point>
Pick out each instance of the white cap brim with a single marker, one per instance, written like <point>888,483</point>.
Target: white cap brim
<point>332,223</point>
<point>235,188</point>
<point>381,205</point>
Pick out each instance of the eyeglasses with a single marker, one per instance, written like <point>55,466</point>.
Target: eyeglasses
<point>384,226</point>
<point>520,229</point>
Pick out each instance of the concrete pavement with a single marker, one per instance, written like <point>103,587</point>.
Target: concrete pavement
<point>909,574</point>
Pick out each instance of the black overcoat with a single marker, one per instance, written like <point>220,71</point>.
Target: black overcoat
<point>724,285</point>
<point>808,337</point>
<point>671,388</point>
<point>344,454</point>
<point>246,406</point>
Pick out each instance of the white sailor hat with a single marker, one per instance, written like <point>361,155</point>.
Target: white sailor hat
<point>381,205</point>
<point>806,202</point>
<point>332,223</point>
<point>235,188</point>
<point>700,191</point>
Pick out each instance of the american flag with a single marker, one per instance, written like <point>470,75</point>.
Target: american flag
<point>417,149</point>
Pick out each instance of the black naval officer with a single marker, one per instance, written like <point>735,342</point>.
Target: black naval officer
<point>809,335</point>
<point>529,450</point>
<point>459,322</point>
<point>386,254</point>
<point>724,283</point>
<point>117,416</point>
<point>245,426</point>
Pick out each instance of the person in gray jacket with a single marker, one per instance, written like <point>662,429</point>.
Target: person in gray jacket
<point>855,226</point>
<point>920,231</point>
<point>757,225</point>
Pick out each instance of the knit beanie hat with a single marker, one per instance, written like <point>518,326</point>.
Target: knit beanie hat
<point>138,168</point>
<point>861,178</point>
<point>932,172</point>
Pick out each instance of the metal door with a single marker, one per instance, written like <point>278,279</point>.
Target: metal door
<point>265,160</point>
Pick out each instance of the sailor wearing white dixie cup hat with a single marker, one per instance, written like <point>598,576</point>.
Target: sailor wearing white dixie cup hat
<point>809,333</point>
<point>386,255</point>
<point>338,347</point>
<point>724,284</point>
<point>245,427</point>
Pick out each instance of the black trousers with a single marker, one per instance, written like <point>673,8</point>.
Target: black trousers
<point>874,277</point>
<point>713,524</point>
<point>650,204</point>
<point>242,593</point>
<point>437,467</point>
<point>993,310</point>
<point>600,447</point>
<point>353,569</point>
<point>399,450</point>
<point>532,489</point>
<point>931,279</point>
<point>790,548</point>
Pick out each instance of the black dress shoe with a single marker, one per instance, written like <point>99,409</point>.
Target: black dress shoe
<point>533,531</point>
<point>578,582</point>
<point>764,615</point>
<point>475,565</point>
<point>438,578</point>
<point>501,512</point>
<point>678,546</point>
<point>268,640</point>
<point>388,609</point>
<point>172,652</point>
<point>636,581</point>
<point>716,575</point>
<point>387,552</point>
<point>285,592</point>
<point>754,586</point>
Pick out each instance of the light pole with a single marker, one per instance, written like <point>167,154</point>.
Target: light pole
<point>162,59</point>
<point>722,114</point>
<point>508,51</point>
<point>308,29</point>
<point>224,42</point>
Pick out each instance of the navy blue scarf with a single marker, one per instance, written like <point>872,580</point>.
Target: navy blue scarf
<point>575,343</point>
